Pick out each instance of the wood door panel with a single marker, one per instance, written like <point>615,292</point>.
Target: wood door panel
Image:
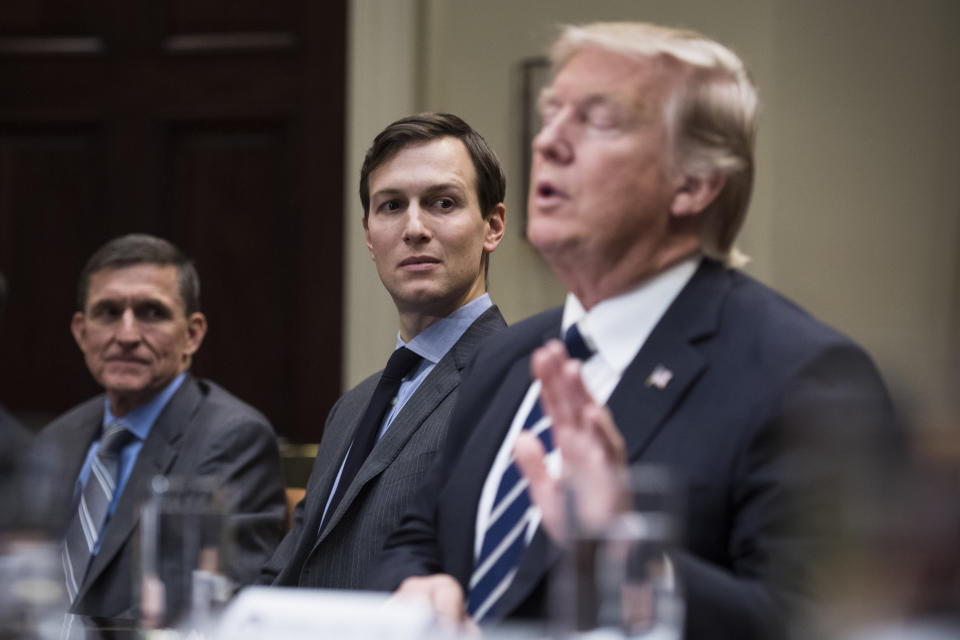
<point>218,125</point>
<point>215,16</point>
<point>51,186</point>
<point>243,172</point>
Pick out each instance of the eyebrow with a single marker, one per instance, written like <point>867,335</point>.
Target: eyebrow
<point>445,186</point>
<point>122,301</point>
<point>389,192</point>
<point>547,94</point>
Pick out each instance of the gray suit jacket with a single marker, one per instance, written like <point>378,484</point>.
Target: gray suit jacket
<point>203,431</point>
<point>14,441</point>
<point>354,533</point>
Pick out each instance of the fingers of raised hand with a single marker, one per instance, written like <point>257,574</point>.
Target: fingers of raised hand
<point>599,422</point>
<point>544,489</point>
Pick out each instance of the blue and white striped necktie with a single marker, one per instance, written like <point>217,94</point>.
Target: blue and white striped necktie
<point>504,539</point>
<point>88,521</point>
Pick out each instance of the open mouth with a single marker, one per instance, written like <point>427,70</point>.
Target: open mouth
<point>546,193</point>
<point>547,190</point>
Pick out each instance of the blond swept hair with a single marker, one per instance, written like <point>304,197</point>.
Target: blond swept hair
<point>713,114</point>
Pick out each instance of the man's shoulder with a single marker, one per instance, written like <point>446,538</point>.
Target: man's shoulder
<point>215,402</point>
<point>526,334</point>
<point>773,318</point>
<point>85,411</point>
<point>488,324</point>
<point>764,335</point>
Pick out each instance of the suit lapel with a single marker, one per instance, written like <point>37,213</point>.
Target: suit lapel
<point>640,405</point>
<point>318,492</point>
<point>444,378</point>
<point>82,436</point>
<point>438,385</point>
<point>157,456</point>
<point>670,361</point>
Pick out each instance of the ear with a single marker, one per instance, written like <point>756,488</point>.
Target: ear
<point>78,327</point>
<point>496,224</point>
<point>696,193</point>
<point>366,235</point>
<point>196,330</point>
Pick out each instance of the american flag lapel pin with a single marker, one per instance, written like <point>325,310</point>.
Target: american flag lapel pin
<point>659,378</point>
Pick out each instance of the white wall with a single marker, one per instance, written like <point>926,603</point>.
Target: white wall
<point>855,213</point>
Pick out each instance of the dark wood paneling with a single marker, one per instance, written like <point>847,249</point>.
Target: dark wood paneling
<point>245,171</point>
<point>214,16</point>
<point>51,17</point>
<point>51,186</point>
<point>218,125</point>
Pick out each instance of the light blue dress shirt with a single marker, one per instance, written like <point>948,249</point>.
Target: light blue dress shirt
<point>138,422</point>
<point>431,344</point>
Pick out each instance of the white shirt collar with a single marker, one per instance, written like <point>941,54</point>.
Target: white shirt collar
<point>617,327</point>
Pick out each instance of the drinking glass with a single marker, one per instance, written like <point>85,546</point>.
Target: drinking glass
<point>186,546</point>
<point>615,579</point>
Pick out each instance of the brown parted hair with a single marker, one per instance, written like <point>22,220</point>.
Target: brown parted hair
<point>424,127</point>
<point>713,115</point>
<point>140,248</point>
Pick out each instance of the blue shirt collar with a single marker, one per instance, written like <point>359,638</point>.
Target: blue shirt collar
<point>140,420</point>
<point>433,342</point>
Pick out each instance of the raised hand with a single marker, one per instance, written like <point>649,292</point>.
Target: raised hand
<point>594,458</point>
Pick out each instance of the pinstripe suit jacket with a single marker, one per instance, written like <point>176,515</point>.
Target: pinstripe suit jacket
<point>343,553</point>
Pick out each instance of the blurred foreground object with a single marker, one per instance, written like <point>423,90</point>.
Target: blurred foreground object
<point>302,614</point>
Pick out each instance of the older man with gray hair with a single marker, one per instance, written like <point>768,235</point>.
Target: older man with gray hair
<point>641,179</point>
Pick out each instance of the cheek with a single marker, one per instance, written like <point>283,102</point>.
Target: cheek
<point>381,243</point>
<point>94,345</point>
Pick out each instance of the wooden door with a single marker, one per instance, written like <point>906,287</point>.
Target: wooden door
<point>216,124</point>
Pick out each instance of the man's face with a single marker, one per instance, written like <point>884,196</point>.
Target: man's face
<point>134,332</point>
<point>601,186</point>
<point>425,230</point>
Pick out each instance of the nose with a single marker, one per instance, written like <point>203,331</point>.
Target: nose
<point>128,330</point>
<point>552,142</point>
<point>415,229</point>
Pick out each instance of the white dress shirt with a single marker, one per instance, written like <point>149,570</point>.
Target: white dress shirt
<point>615,329</point>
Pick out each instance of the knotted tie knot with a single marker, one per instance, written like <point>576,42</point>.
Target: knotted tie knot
<point>401,362</point>
<point>115,437</point>
<point>576,346</point>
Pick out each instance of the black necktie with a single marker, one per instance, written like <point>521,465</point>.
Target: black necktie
<point>401,362</point>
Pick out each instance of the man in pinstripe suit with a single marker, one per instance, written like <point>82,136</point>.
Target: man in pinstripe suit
<point>432,193</point>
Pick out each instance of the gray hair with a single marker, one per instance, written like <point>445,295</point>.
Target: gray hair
<point>713,114</point>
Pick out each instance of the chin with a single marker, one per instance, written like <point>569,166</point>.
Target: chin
<point>545,240</point>
<point>124,384</point>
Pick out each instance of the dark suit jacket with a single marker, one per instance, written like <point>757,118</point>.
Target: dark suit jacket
<point>355,531</point>
<point>203,431</point>
<point>749,370</point>
<point>14,441</point>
